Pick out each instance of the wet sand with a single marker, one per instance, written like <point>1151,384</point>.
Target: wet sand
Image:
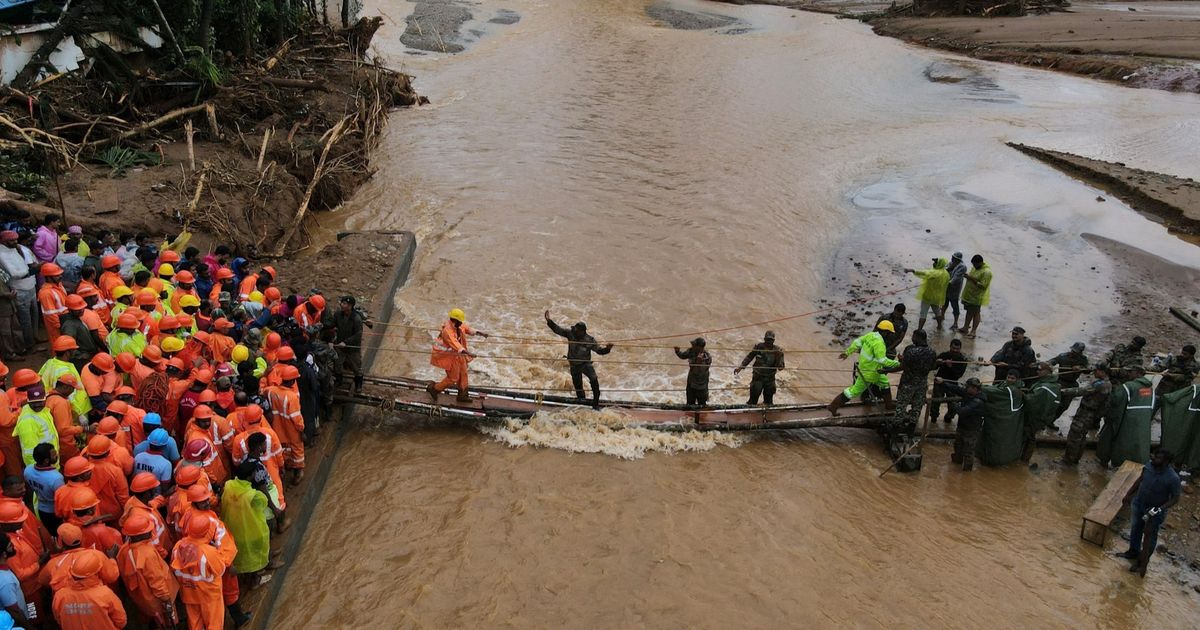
<point>1139,44</point>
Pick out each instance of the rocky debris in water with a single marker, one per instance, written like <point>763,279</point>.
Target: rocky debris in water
<point>506,16</point>
<point>434,26</point>
<point>689,20</point>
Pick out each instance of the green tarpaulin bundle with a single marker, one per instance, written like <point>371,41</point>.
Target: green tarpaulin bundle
<point>1041,403</point>
<point>1003,424</point>
<point>1126,431</point>
<point>1181,425</point>
<point>244,511</point>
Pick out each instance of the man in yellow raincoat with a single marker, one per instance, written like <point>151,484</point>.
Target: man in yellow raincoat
<point>932,292</point>
<point>450,353</point>
<point>872,358</point>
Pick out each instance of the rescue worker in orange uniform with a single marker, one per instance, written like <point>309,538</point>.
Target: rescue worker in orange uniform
<point>288,422</point>
<point>23,380</point>
<point>223,283</point>
<point>178,504</point>
<point>33,531</point>
<point>185,284</point>
<point>96,305</point>
<point>220,344</point>
<point>100,380</point>
<point>108,479</point>
<point>308,315</point>
<point>55,572</point>
<point>52,298</point>
<point>84,603</point>
<point>215,430</point>
<point>121,452</point>
<point>200,568</point>
<point>450,353</point>
<point>10,448</point>
<point>96,534</point>
<point>77,472</point>
<point>147,577</point>
<point>25,562</point>
<point>110,278</point>
<point>77,305</point>
<point>203,507</point>
<point>252,416</point>
<point>65,420</point>
<point>146,500</point>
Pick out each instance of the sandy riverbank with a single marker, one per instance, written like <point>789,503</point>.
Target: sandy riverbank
<point>1139,44</point>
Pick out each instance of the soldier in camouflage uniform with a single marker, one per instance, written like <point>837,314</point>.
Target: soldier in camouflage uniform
<point>1087,417</point>
<point>325,358</point>
<point>917,361</point>
<point>1122,357</point>
<point>1179,372</point>
<point>1071,365</point>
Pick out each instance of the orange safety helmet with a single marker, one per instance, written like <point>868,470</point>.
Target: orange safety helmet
<point>25,377</point>
<point>78,465</point>
<point>50,270</point>
<point>202,528</point>
<point>207,396</point>
<point>273,341</point>
<point>184,320</point>
<point>98,446</point>
<point>84,498</point>
<point>124,390</point>
<point>169,256</point>
<point>76,302</point>
<point>127,321</point>
<point>286,353</point>
<point>288,372</point>
<point>64,343</point>
<point>110,261</point>
<point>152,354</point>
<point>146,297</point>
<point>68,379</point>
<point>12,512</point>
<point>204,412</point>
<point>103,361</point>
<point>224,273</point>
<point>251,414</point>
<point>138,524</point>
<point>119,406</point>
<point>203,376</point>
<point>201,337</point>
<point>143,481</point>
<point>109,425</point>
<point>87,290</point>
<point>272,294</point>
<point>177,363</point>
<point>185,277</point>
<point>199,492</point>
<point>317,301</point>
<point>222,324</point>
<point>187,475</point>
<point>126,361</point>
<point>168,322</point>
<point>86,565</point>
<point>69,535</point>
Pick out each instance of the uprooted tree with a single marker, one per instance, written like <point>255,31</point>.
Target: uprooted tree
<point>294,94</point>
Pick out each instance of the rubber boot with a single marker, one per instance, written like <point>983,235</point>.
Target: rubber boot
<point>888,403</point>
<point>837,404</point>
<point>433,392</point>
<point>464,396</point>
<point>240,617</point>
<point>358,383</point>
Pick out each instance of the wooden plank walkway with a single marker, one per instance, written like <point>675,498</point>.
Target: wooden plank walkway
<point>1106,507</point>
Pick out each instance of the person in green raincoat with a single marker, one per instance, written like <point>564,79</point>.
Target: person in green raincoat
<point>977,292</point>
<point>932,292</point>
<point>1041,407</point>
<point>1181,426</point>
<point>1126,431</point>
<point>244,509</point>
<point>1003,422</point>
<point>872,361</point>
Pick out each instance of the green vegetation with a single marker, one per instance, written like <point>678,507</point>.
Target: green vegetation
<point>120,159</point>
<point>19,175</point>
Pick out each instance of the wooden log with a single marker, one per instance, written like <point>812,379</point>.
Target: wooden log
<point>299,84</point>
<point>332,137</point>
<point>168,34</point>
<point>1185,318</point>
<point>153,124</point>
<point>1106,507</point>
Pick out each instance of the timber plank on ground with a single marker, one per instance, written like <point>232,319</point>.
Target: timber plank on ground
<point>1105,508</point>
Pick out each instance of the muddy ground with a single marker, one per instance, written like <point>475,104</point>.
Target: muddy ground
<point>1139,44</point>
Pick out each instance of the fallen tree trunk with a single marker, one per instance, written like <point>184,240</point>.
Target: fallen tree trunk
<point>41,56</point>
<point>335,134</point>
<point>296,83</point>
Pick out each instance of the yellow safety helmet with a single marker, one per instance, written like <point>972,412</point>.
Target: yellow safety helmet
<point>166,269</point>
<point>189,300</point>
<point>121,291</point>
<point>886,325</point>
<point>240,353</point>
<point>457,314</point>
<point>256,296</point>
<point>172,344</point>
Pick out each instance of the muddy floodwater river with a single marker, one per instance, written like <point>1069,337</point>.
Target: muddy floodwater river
<point>591,158</point>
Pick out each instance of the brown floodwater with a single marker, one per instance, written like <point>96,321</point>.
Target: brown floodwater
<point>592,160</point>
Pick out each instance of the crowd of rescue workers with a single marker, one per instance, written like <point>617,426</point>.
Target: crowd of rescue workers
<point>998,422</point>
<point>146,459</point>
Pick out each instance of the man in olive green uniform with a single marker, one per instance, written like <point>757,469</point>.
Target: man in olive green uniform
<point>1180,371</point>
<point>1126,431</point>
<point>1092,406</point>
<point>917,361</point>
<point>1071,365</point>
<point>768,359</point>
<point>1123,357</point>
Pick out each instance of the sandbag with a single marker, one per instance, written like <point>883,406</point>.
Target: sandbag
<point>1181,426</point>
<point>1125,435</point>
<point>244,511</point>
<point>1041,404</point>
<point>1001,441</point>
